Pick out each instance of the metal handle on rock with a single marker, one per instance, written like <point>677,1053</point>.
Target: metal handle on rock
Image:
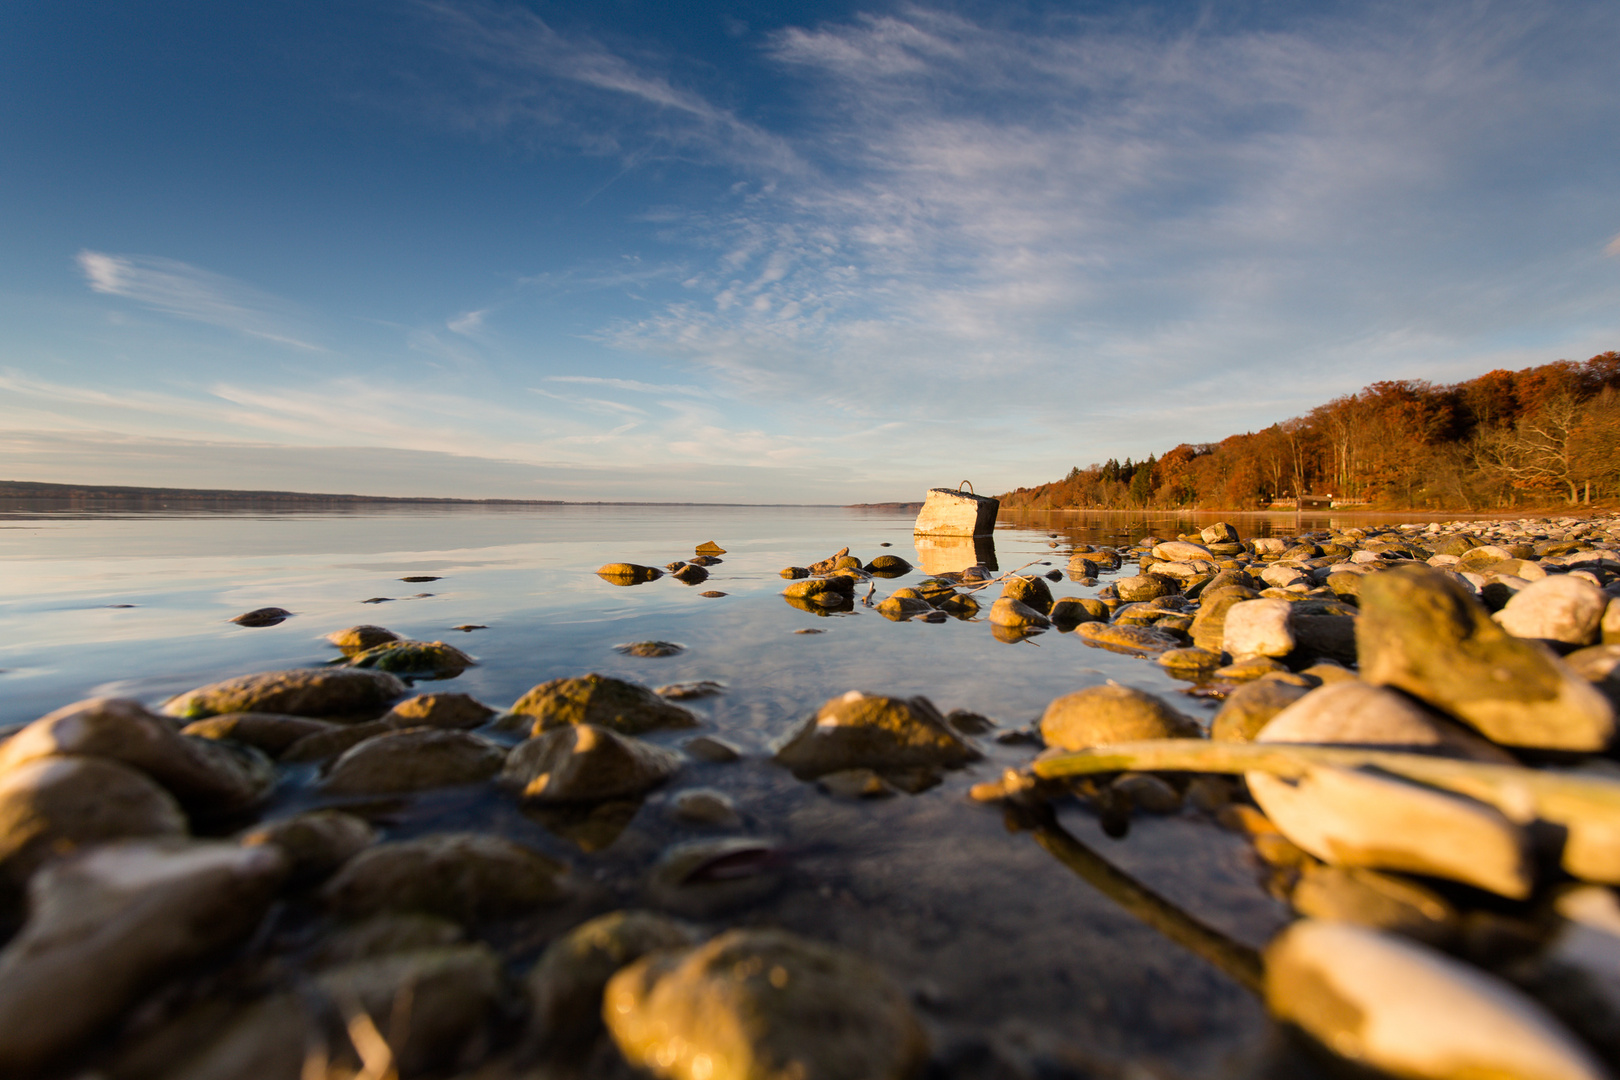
<point>969,487</point>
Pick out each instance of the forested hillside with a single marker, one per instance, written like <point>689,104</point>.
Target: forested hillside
<point>1542,436</point>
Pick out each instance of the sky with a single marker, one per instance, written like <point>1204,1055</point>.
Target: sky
<point>769,252</point>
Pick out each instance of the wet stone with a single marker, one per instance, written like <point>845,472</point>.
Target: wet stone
<point>1138,640</point>
<point>325,745</point>
<point>1379,901</point>
<point>440,710</point>
<point>855,784</point>
<point>315,843</point>
<point>1030,591</point>
<point>1250,708</point>
<point>628,573</point>
<point>626,707</point>
<point>413,759</point>
<point>711,749</point>
<point>586,763</point>
<point>688,691</point>
<point>461,876</point>
<point>1354,713</point>
<point>1009,612</point>
<point>690,574</point>
<point>858,730</point>
<point>384,934</point>
<point>298,692</point>
<point>702,879</point>
<point>265,616</point>
<point>1108,714</point>
<point>265,731</point>
<point>1189,663</point>
<point>1070,611</point>
<point>704,806</point>
<point>420,659</point>
<point>650,649</point>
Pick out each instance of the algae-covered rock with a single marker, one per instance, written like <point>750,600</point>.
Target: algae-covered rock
<point>55,806</point>
<point>421,659</point>
<point>810,588</point>
<point>857,730</point>
<point>413,759</point>
<point>565,986</point>
<point>1250,707</point>
<point>623,573</point>
<point>1031,591</point>
<point>1398,1006</point>
<point>108,927</point>
<point>586,763</point>
<point>626,707</point>
<point>463,876</point>
<point>204,774</point>
<point>1107,714</point>
<point>888,566</point>
<point>318,692</point>
<point>1422,633</point>
<point>752,1004</point>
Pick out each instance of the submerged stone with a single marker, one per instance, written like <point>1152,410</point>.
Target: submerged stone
<point>586,763</point>
<point>857,730</point>
<point>317,692</point>
<point>626,707</point>
<point>462,876</point>
<point>419,658</point>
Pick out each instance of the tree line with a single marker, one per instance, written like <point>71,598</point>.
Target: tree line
<point>1543,435</point>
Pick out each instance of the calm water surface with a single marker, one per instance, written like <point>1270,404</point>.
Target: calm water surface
<point>1001,943</point>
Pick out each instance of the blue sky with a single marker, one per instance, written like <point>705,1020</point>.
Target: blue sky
<point>764,252</point>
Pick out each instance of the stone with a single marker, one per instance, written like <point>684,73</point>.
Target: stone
<point>888,566</point>
<point>702,879</point>
<point>793,572</point>
<point>1146,792</point>
<point>1355,713</point>
<point>1135,640</point>
<point>461,876</point>
<point>1610,624</point>
<point>1069,612</point>
<point>1250,708</point>
<point>1255,667</point>
<point>105,929</point>
<point>1406,1009</point>
<point>585,763</point>
<point>623,573</point>
<point>383,934</point>
<point>265,616</point>
<point>1189,663</point>
<point>1209,625</point>
<point>268,732</point>
<point>1181,551</point>
<point>1032,591</point>
<point>204,774</point>
<point>413,759</point>
<point>704,806</point>
<point>1145,587</point>
<point>1108,714</point>
<point>711,749</point>
<point>1558,608</point>
<point>812,588</point>
<point>857,730</point>
<point>948,512</point>
<point>54,806</point>
<point>1017,615</point>
<point>1258,628</point>
<point>423,659</point>
<point>1600,666</point>
<point>855,784</point>
<point>686,691</point>
<point>1219,533</point>
<point>360,638</point>
<point>565,986</point>
<point>710,548</point>
<point>444,710</point>
<point>1356,817</point>
<point>901,608</point>
<point>650,649</point>
<point>315,843</point>
<point>1422,633</point>
<point>318,692</point>
<point>691,574</point>
<point>325,745</point>
<point>1379,901</point>
<point>750,1004</point>
<point>625,707</point>
<point>1282,575</point>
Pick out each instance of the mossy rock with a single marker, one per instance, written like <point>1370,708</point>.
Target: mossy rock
<point>625,707</point>
<point>857,730</point>
<point>434,659</point>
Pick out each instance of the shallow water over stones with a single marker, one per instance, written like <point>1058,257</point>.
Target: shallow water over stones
<point>1018,963</point>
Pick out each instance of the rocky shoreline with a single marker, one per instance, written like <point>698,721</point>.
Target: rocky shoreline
<point>1414,736</point>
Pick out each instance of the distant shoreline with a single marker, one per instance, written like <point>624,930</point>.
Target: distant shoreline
<point>28,489</point>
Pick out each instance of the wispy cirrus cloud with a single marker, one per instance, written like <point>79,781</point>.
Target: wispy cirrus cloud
<point>633,385</point>
<point>190,292</point>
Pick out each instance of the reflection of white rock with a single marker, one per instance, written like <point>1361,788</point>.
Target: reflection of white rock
<point>953,554</point>
<point>957,513</point>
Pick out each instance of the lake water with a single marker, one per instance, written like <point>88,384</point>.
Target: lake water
<point>1003,945</point>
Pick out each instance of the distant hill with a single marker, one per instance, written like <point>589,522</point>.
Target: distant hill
<point>22,489</point>
<point>1537,437</point>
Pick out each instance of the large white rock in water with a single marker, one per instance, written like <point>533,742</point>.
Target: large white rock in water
<point>1259,628</point>
<point>1355,713</point>
<point>1351,817</point>
<point>1395,1005</point>
<point>957,513</point>
<point>1559,608</point>
<point>105,928</point>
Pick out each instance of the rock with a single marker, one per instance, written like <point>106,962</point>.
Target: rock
<point>586,763</point>
<point>650,649</point>
<point>1209,625</point>
<point>1069,612</point>
<point>565,986</point>
<point>1108,714</point>
<point>1258,628</point>
<point>1421,633</point>
<point>383,934</point>
<point>315,843</point>
<point>53,806</point>
<point>763,1003</point>
<point>458,711</point>
<point>267,1040</point>
<point>709,547</point>
<point>1354,713</point>
<point>203,774</point>
<point>1137,640</point>
<point>1219,533</point>
<point>461,876</point>
<point>1354,817</point>
<point>1378,901</point>
<point>888,566</point>
<point>901,608</point>
<point>1250,708</point>
<point>1189,663</point>
<point>1031,591</point>
<point>625,707</point>
<point>858,730</point>
<point>855,784</point>
<point>1610,625</point>
<point>1282,575</point>
<point>959,605</point>
<point>360,638</point>
<point>1400,1007</point>
<point>1326,671</point>
<point>413,759</point>
<point>711,749</point>
<point>423,659</point>
<point>1017,615</point>
<point>685,691</point>
<point>704,806</point>
<point>1600,666</point>
<point>1146,792</point>
<point>623,573</point>
<point>702,879</point>
<point>691,574</point>
<point>1145,587</point>
<point>106,928</point>
<point>318,692</point>
<point>792,572</point>
<point>263,731</point>
<point>265,616</point>
<point>325,745</point>
<point>1255,667</point>
<point>830,563</point>
<point>1558,608</point>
